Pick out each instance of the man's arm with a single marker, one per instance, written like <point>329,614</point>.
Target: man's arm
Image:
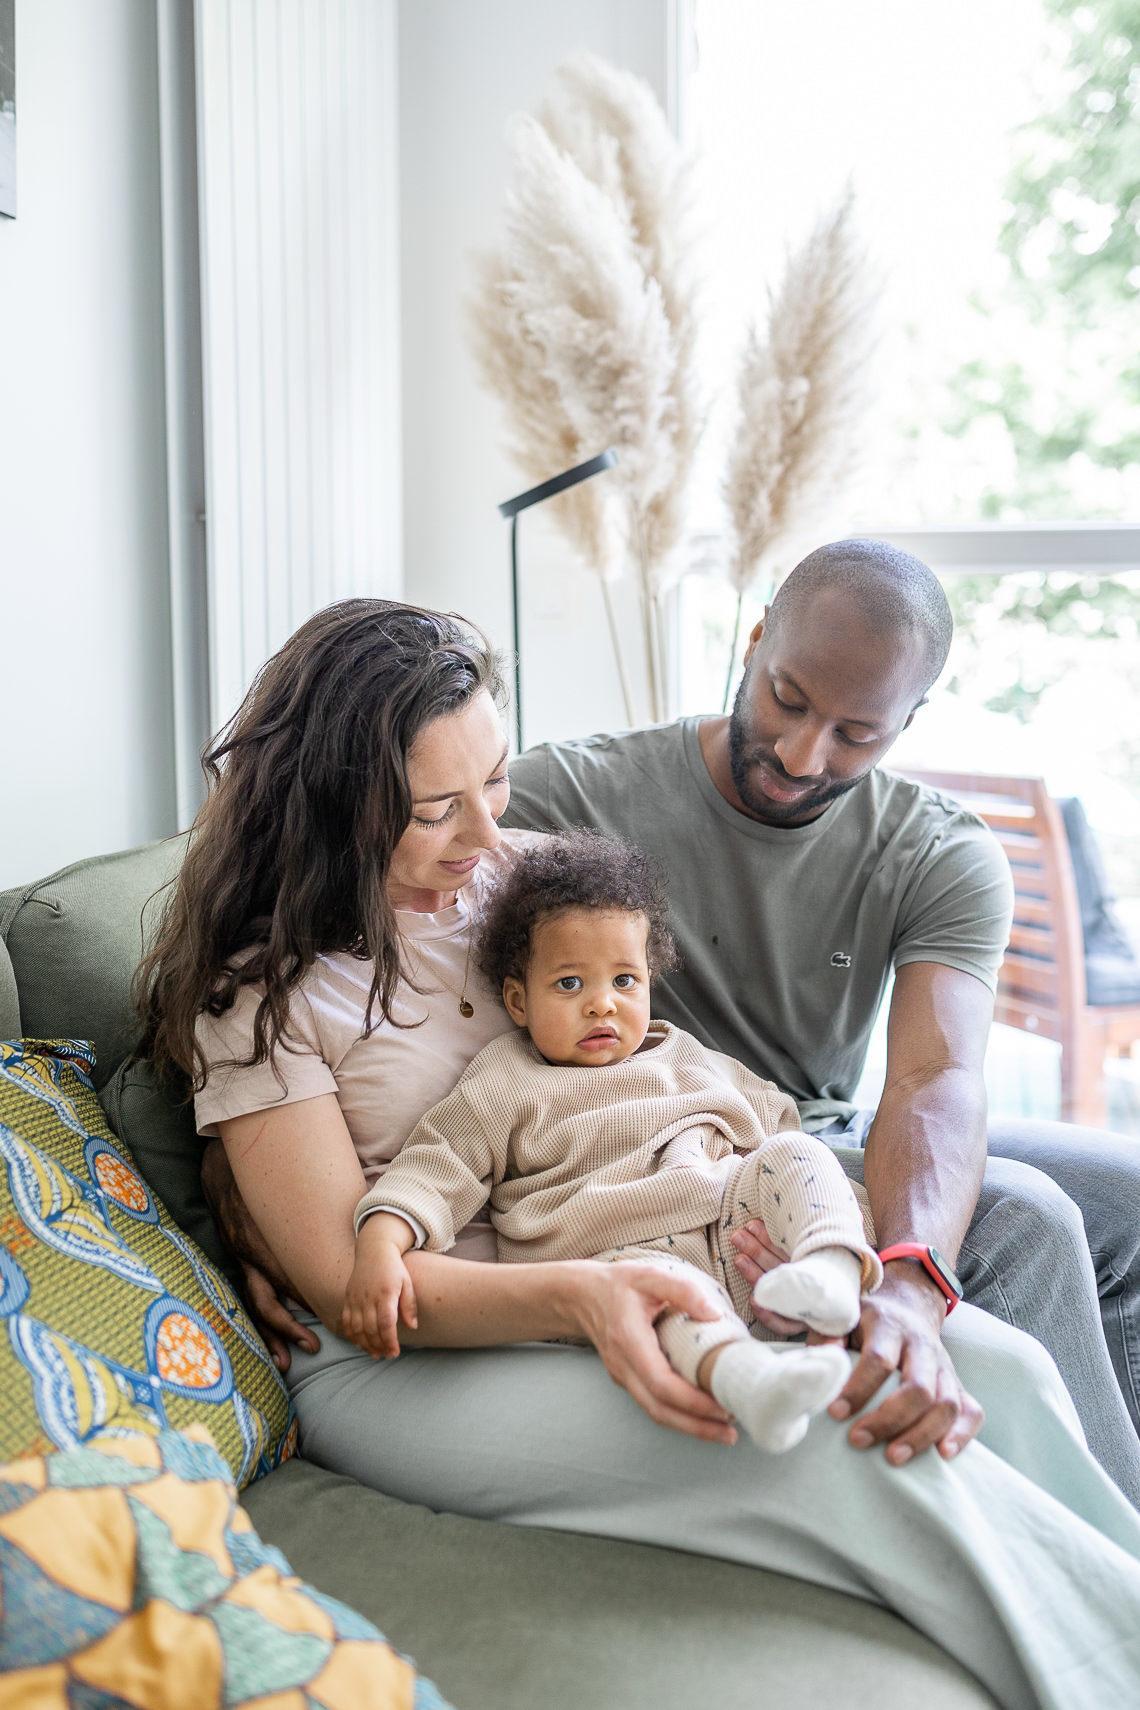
<point>926,1150</point>
<point>923,1166</point>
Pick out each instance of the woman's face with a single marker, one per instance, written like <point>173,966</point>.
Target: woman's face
<point>457,768</point>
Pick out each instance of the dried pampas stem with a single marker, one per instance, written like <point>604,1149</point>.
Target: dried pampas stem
<point>619,660</point>
<point>584,323</point>
<point>612,125</point>
<point>661,633</point>
<point>649,626</point>
<point>729,674</point>
<point>801,394</point>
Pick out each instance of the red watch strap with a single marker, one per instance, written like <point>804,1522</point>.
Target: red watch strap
<point>913,1250</point>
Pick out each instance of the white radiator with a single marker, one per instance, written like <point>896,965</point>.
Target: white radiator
<point>299,229</point>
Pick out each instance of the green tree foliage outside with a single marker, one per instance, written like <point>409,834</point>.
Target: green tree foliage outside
<point>1055,392</point>
<point>1058,364</point>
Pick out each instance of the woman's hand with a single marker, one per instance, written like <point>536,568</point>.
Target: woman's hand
<point>617,1307</point>
<point>264,1280</point>
<point>380,1293</point>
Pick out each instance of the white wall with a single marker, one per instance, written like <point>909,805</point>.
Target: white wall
<point>85,707</point>
<point>464,69</point>
<point>85,676</point>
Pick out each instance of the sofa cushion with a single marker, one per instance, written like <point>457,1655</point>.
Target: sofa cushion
<point>513,1617</point>
<point>150,1587</point>
<point>72,942</point>
<point>115,1320</point>
<point>10,1027</point>
<point>75,940</point>
<point>159,1132</point>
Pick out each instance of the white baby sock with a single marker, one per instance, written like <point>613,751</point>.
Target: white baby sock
<point>822,1290</point>
<point>773,1395</point>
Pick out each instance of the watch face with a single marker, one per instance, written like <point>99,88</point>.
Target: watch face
<point>948,1276</point>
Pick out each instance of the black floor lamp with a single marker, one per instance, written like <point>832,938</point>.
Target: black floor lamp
<point>511,508</point>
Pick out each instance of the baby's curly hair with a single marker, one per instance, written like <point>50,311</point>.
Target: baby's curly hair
<point>576,869</point>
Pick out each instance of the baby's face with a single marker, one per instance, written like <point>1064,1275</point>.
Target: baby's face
<point>585,1000</point>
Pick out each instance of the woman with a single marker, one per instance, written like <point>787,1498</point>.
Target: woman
<point>313,975</point>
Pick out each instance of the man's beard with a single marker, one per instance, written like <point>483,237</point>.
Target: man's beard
<point>744,753</point>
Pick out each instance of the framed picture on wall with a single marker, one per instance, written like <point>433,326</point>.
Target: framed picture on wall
<point>8,108</point>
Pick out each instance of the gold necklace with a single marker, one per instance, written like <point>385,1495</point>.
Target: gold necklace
<point>466,1007</point>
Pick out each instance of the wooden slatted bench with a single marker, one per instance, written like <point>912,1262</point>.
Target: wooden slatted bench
<point>1041,986</point>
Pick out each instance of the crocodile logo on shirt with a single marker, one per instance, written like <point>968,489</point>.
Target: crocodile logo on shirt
<point>840,959</point>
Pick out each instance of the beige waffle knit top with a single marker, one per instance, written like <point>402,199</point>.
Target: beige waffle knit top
<point>571,1158</point>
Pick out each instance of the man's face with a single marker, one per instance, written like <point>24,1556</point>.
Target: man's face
<point>821,702</point>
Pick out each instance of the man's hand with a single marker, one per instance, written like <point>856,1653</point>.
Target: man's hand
<point>379,1293</point>
<point>264,1280</point>
<point>756,1255</point>
<point>900,1330</point>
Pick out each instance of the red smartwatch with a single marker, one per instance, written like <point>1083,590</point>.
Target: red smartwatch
<point>933,1264</point>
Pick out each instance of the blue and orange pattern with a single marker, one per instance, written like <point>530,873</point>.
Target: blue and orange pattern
<point>130,1579</point>
<point>116,1322</point>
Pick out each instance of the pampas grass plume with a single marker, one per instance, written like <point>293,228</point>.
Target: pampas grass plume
<point>574,338</point>
<point>800,394</point>
<point>584,322</point>
<point>612,126</point>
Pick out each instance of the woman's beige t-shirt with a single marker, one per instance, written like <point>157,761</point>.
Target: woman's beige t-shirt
<point>384,1083</point>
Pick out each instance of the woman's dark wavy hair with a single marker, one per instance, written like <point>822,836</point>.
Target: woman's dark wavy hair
<point>307,797</point>
<point>577,869</point>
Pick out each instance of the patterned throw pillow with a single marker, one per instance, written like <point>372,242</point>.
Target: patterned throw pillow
<point>131,1580</point>
<point>116,1322</point>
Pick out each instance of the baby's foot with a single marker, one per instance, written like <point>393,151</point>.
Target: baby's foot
<point>773,1395</point>
<point>821,1291</point>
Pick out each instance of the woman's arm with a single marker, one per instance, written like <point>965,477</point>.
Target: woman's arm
<point>265,1283</point>
<point>298,1174</point>
<point>299,1178</point>
<point>465,1305</point>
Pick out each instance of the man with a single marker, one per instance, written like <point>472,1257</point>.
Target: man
<point>799,876</point>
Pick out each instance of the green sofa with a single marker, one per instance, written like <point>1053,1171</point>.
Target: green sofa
<point>503,1618</point>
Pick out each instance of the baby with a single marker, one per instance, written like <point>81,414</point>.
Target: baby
<point>599,1133</point>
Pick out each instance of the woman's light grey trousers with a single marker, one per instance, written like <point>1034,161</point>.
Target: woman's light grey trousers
<point>1020,1558</point>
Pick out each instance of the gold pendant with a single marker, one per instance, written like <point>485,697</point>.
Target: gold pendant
<point>466,1009</point>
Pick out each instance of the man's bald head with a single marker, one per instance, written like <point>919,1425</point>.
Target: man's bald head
<point>889,591</point>
<point>833,675</point>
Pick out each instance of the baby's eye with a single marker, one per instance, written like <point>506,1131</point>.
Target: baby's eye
<point>568,983</point>
<point>625,982</point>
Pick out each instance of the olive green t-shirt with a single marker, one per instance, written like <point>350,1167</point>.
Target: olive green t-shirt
<point>787,936</point>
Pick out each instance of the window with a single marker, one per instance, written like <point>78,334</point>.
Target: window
<point>992,154</point>
<point>991,150</point>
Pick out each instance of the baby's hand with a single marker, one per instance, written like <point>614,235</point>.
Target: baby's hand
<point>379,1292</point>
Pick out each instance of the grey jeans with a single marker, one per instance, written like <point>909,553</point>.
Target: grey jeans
<point>1054,1248</point>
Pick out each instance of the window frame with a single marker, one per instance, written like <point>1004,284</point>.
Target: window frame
<point>984,549</point>
<point>1093,549</point>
